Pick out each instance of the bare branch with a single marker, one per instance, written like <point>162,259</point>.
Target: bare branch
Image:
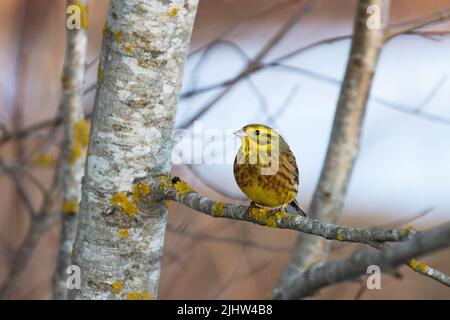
<point>416,24</point>
<point>39,224</point>
<point>228,240</point>
<point>388,258</point>
<point>269,10</point>
<point>422,268</point>
<point>23,194</point>
<point>254,64</point>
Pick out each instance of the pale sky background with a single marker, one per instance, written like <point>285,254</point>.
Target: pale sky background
<point>404,164</point>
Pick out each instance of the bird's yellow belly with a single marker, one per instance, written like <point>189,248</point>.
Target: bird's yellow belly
<point>267,197</point>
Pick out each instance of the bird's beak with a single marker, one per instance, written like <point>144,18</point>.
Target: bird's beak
<point>240,133</point>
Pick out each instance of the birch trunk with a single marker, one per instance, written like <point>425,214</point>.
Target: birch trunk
<point>368,39</point>
<point>144,49</point>
<point>75,129</point>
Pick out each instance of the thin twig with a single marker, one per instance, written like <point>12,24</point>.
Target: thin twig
<point>416,24</point>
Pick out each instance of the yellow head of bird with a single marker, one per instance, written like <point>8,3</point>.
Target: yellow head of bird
<point>259,142</point>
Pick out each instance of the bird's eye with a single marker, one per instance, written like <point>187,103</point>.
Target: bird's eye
<point>257,132</point>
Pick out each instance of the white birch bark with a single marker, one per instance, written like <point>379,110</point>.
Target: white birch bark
<point>144,49</point>
<point>74,148</point>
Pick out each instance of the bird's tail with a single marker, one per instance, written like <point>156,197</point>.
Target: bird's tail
<point>298,208</point>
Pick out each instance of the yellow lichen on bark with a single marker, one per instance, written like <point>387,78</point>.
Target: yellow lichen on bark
<point>118,198</point>
<point>173,12</point>
<point>65,80</point>
<point>70,206</point>
<point>408,230</point>
<point>183,188</point>
<point>80,140</point>
<point>117,287</point>
<point>44,160</point>
<point>218,208</point>
<point>105,29</point>
<point>101,74</point>
<point>140,191</point>
<point>259,214</point>
<point>129,209</point>
<point>123,233</point>
<point>75,152</point>
<point>417,265</point>
<point>340,236</point>
<point>265,217</point>
<point>118,36</point>
<point>129,48</point>
<point>121,200</point>
<point>273,218</point>
<point>81,131</point>
<point>165,183</point>
<point>140,295</point>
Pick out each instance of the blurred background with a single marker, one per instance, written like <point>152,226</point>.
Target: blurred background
<point>401,178</point>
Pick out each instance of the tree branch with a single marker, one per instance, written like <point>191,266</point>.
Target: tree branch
<point>422,268</point>
<point>163,188</point>
<point>76,130</point>
<point>412,25</point>
<point>387,259</point>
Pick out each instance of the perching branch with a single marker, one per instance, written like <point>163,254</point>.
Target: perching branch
<point>149,190</point>
<point>162,188</point>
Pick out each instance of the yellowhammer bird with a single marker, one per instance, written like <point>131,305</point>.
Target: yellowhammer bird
<point>265,168</point>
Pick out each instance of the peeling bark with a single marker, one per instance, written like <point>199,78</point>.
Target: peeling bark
<point>143,54</point>
<point>343,147</point>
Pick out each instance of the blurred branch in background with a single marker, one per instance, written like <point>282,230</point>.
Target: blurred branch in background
<point>254,63</point>
<point>39,222</point>
<point>343,148</point>
<point>388,258</point>
<point>7,135</point>
<point>76,133</point>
